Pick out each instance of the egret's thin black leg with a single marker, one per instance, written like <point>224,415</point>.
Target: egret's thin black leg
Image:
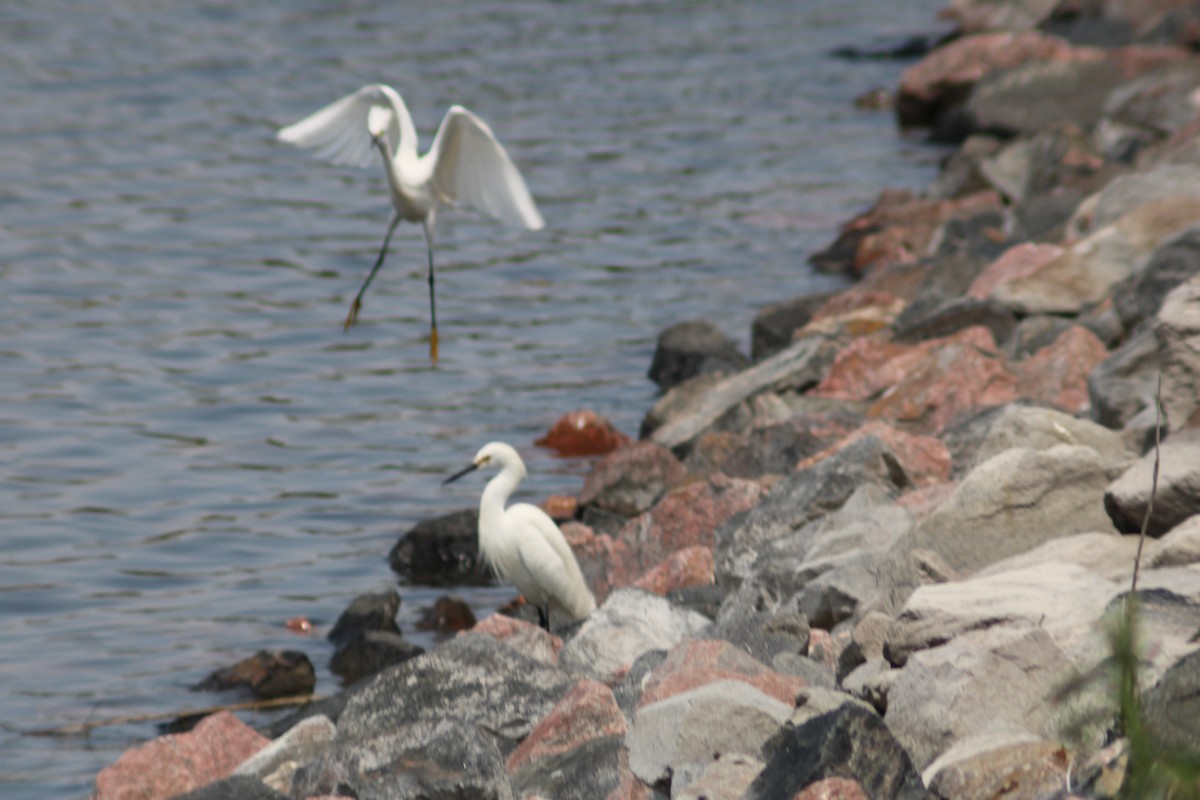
<point>544,616</point>
<point>433,333</point>
<point>352,317</point>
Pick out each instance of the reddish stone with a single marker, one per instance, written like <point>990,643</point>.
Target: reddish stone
<point>525,637</point>
<point>628,785</point>
<point>924,501</point>
<point>855,314</point>
<point>691,566</point>
<point>833,789</point>
<point>583,433</point>
<point>711,450</point>
<point>448,615</point>
<point>945,76</point>
<point>1016,262</point>
<point>299,625</point>
<point>687,516</point>
<point>697,662</point>
<point>925,459</point>
<point>1057,374</point>
<point>629,480</point>
<point>560,507</point>
<point>178,763</point>
<point>267,674</point>
<point>954,376</point>
<point>606,563</point>
<point>589,711</point>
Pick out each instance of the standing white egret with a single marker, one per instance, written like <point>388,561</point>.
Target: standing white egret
<point>523,545</point>
<point>466,165</point>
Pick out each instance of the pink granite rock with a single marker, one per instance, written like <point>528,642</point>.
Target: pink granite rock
<point>925,459</point>
<point>1057,374</point>
<point>697,662</point>
<point>833,789</point>
<point>691,566</point>
<point>630,480</point>
<point>588,711</point>
<point>181,762</point>
<point>607,563</point>
<point>525,637</point>
<point>1016,262</point>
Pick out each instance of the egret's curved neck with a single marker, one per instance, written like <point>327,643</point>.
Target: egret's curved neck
<point>496,494</point>
<point>407,146</point>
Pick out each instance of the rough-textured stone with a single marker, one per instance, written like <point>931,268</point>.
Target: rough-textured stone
<point>996,768</point>
<point>1177,496</point>
<point>597,768</point>
<point>1109,555</point>
<point>1057,374</point>
<point>367,612</point>
<point>442,551</point>
<point>982,16</point>
<point>606,562</point>
<point>774,325</point>
<point>368,652</point>
<point>1171,182</point>
<point>726,779</point>
<point>632,479</point>
<point>236,787</point>
<point>1041,428</point>
<point>687,516</point>
<point>689,348</point>
<point>1177,329</point>
<point>674,740</point>
<point>1176,260</point>
<point>628,624</point>
<point>1017,262</point>
<point>925,459</point>
<point>177,763</point>
<point>304,741</point>
<point>694,663</point>
<point>266,674</point>
<point>1008,504</point>
<point>429,758</point>
<point>526,638</point>
<point>1172,706</point>
<point>801,498</point>
<point>999,676</point>
<point>473,679</point>
<point>588,711</point>
<point>582,433</point>
<point>1036,95</point>
<point>944,318</point>
<point>691,566</point>
<point>1121,387</point>
<point>1179,547</point>
<point>849,742</point>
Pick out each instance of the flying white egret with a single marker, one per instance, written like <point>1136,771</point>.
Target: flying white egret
<point>523,545</point>
<point>466,165</point>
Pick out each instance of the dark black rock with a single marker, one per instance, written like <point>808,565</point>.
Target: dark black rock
<point>367,612</point>
<point>431,759</point>
<point>629,691</point>
<point>236,787</point>
<point>772,329</point>
<point>705,599</point>
<point>588,771</point>
<point>898,47</point>
<point>922,321</point>
<point>267,674</point>
<point>849,742</point>
<point>368,652</point>
<point>472,679</point>
<point>1139,297</point>
<point>442,551</point>
<point>690,348</point>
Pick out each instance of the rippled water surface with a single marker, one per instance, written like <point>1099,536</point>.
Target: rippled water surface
<point>191,451</point>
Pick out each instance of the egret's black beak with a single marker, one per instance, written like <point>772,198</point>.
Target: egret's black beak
<point>460,473</point>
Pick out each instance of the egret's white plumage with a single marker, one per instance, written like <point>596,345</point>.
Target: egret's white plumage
<point>523,545</point>
<point>466,166</point>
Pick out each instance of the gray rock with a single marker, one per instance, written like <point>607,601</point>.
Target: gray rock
<point>368,652</point>
<point>763,634</point>
<point>1040,94</point>
<point>1178,493</point>
<point>1040,428</point>
<point>1000,676</point>
<point>1109,555</point>
<point>945,317</point>
<point>631,480</point>
<point>1156,101</point>
<point>629,623</point>
<point>1006,505</point>
<point>1172,707</point>
<point>870,682</point>
<point>677,401</point>
<point>1065,601</point>
<point>1177,329</point>
<point>1124,193</point>
<point>1176,260</point>
<point>996,763</point>
<point>815,701</point>
<point>430,758</point>
<point>774,325</point>
<point>797,367</point>
<point>690,348</point>
<point>1035,332</point>
<point>442,550</point>
<point>838,594</point>
<point>473,679</point>
<point>674,740</point>
<point>1180,547</point>
<point>726,779</point>
<point>802,497</point>
<point>591,770</point>
<point>629,690</point>
<point>236,787</point>
<point>301,743</point>
<point>1122,386</point>
<point>849,742</point>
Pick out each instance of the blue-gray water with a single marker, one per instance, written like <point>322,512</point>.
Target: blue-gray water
<point>191,451</point>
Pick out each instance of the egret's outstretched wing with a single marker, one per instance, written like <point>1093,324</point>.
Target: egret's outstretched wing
<point>471,168</point>
<point>555,563</point>
<point>339,131</point>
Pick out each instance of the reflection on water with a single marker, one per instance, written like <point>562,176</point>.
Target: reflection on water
<point>192,450</point>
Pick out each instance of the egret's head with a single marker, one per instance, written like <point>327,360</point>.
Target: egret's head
<point>495,454</point>
<point>378,120</point>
